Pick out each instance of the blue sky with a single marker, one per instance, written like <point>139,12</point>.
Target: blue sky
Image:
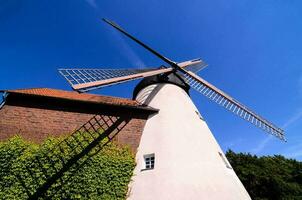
<point>253,48</point>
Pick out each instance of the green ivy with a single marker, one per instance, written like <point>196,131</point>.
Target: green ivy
<point>105,175</point>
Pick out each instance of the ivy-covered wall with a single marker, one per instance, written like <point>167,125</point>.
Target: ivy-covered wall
<point>105,175</point>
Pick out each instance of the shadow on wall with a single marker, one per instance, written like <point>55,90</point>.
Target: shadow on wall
<point>66,158</point>
<point>146,96</point>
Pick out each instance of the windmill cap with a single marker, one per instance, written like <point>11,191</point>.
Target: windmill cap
<point>171,78</point>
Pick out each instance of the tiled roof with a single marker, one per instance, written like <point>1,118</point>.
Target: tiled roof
<point>71,95</point>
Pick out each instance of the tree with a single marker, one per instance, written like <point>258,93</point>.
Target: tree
<point>268,177</point>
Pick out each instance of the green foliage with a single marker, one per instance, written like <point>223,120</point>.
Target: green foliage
<point>104,176</point>
<point>268,177</point>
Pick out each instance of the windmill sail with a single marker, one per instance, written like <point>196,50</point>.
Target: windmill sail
<point>212,92</point>
<point>84,80</point>
<point>167,60</point>
<point>87,79</point>
<point>223,99</point>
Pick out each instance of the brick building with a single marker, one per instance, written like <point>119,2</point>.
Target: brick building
<point>38,113</point>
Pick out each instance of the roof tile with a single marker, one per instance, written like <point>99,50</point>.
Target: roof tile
<point>71,95</point>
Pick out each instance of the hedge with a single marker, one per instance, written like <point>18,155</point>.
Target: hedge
<point>104,176</point>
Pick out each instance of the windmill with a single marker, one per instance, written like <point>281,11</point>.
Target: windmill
<point>178,157</point>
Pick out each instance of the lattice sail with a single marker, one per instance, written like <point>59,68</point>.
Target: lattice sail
<point>196,66</point>
<point>87,79</point>
<point>221,98</point>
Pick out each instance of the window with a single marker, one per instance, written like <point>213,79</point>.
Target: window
<point>149,161</point>
<point>226,162</point>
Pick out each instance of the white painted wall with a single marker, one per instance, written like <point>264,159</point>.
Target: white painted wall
<point>187,160</point>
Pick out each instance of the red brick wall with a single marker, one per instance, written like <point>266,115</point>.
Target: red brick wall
<point>36,124</point>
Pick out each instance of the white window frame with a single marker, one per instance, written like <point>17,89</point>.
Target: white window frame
<point>149,161</point>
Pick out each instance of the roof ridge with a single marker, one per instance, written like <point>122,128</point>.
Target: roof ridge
<point>23,89</point>
<point>73,95</point>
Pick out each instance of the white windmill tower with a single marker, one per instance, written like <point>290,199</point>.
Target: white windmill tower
<point>178,157</point>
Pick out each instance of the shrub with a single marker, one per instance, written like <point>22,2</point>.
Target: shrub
<point>104,176</point>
